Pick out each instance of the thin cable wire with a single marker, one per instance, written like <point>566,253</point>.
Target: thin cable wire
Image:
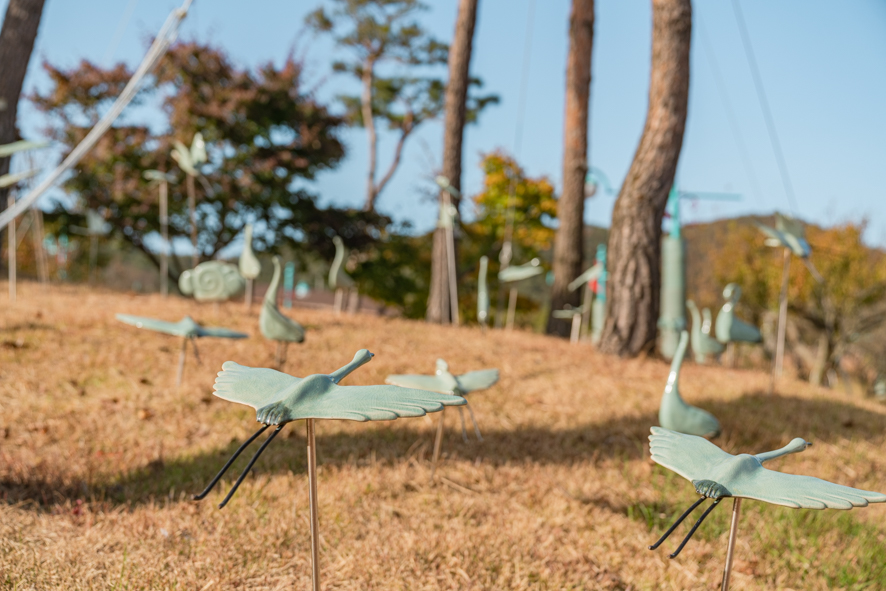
<point>158,48</point>
<point>764,105</point>
<point>524,79</point>
<point>730,114</point>
<point>118,34</point>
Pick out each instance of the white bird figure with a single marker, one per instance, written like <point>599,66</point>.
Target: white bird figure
<point>703,344</point>
<point>273,324</point>
<point>249,265</point>
<point>730,329</point>
<point>717,475</point>
<point>674,413</point>
<point>339,281</point>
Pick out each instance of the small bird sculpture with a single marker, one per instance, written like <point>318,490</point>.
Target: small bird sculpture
<point>717,475</point>
<point>273,324</point>
<point>788,233</point>
<point>674,413</point>
<point>279,399</point>
<point>185,328</point>
<point>249,266</point>
<point>703,344</point>
<point>730,329</point>
<point>444,382</point>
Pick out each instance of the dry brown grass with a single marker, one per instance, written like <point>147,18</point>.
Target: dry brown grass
<point>99,457</point>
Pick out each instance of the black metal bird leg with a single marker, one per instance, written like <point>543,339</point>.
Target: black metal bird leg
<point>676,523</point>
<point>196,352</point>
<point>228,465</point>
<point>695,527</point>
<point>249,466</point>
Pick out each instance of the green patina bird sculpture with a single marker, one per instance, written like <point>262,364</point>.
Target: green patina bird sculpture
<point>717,475</point>
<point>185,328</point>
<point>674,413</point>
<point>512,275</point>
<point>730,329</point>
<point>249,266</point>
<point>703,344</point>
<point>338,280</point>
<point>574,314</point>
<point>273,324</point>
<point>483,293</point>
<point>788,233</point>
<point>279,398</point>
<point>444,382</point>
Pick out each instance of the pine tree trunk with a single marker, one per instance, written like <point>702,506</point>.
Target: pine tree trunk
<point>453,132</point>
<point>568,243</point>
<point>16,44</point>
<point>635,238</point>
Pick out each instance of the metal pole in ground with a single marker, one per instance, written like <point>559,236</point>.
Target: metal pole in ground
<point>730,551</point>
<point>315,521</point>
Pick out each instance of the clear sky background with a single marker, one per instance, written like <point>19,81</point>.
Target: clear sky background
<point>823,66</point>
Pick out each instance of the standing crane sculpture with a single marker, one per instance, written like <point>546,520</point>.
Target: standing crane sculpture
<point>730,329</point>
<point>279,398</point>
<point>674,413</point>
<point>274,325</point>
<point>248,264</point>
<point>717,475</point>
<point>444,382</point>
<point>703,344</point>
<point>339,281</point>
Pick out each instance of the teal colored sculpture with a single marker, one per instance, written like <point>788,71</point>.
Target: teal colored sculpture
<point>273,324</point>
<point>212,281</point>
<point>513,275</point>
<point>730,329</point>
<point>339,281</point>
<point>288,284</point>
<point>592,274</point>
<point>788,233</point>
<point>189,161</point>
<point>444,382</point>
<point>483,293</point>
<point>703,344</point>
<point>574,315</point>
<point>717,475</point>
<point>249,266</point>
<point>279,398</point>
<point>598,308</point>
<point>674,413</point>
<point>185,328</point>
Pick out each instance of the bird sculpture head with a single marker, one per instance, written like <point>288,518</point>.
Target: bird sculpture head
<point>442,367</point>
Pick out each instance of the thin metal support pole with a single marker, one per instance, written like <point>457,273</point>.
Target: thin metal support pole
<point>164,232</point>
<point>730,550</point>
<point>576,328</point>
<point>450,256</point>
<point>512,309</point>
<point>438,441</point>
<point>315,519</point>
<point>12,244</point>
<point>248,294</point>
<point>336,306</point>
<point>586,314</point>
<point>778,364</point>
<point>181,363</point>
<point>192,209</point>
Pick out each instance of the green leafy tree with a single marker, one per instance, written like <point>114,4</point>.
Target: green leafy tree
<point>265,136</point>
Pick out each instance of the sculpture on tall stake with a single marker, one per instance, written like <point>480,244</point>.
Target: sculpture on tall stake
<point>279,399</point>
<point>448,213</point>
<point>728,329</point>
<point>274,325</point>
<point>512,275</point>
<point>248,264</point>
<point>589,278</point>
<point>791,236</point>
<point>674,413</point>
<point>483,294</point>
<point>444,382</point>
<point>717,475</point>
<point>186,328</point>
<point>703,344</point>
<point>339,281</point>
<point>162,179</point>
<point>189,160</point>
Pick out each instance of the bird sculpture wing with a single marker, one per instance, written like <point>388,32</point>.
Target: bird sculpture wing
<point>690,456</point>
<point>477,380</point>
<point>220,332</point>
<point>178,329</point>
<point>800,492</point>
<point>519,273</point>
<point>420,382</point>
<point>253,386</point>
<point>374,403</point>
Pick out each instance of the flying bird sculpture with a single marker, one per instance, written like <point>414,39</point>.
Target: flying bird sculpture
<point>273,324</point>
<point>512,275</point>
<point>730,329</point>
<point>338,280</point>
<point>279,398</point>
<point>248,264</point>
<point>185,328</point>
<point>444,382</point>
<point>788,233</point>
<point>575,315</point>
<point>717,475</point>
<point>703,344</point>
<point>674,413</point>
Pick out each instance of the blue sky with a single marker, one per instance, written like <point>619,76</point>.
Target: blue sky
<point>823,66</point>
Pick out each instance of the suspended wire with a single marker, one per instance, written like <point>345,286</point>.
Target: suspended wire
<point>118,34</point>
<point>730,114</point>
<point>158,48</point>
<point>524,79</point>
<point>764,105</point>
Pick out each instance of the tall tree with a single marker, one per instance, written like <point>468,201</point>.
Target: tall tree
<point>16,44</point>
<point>568,245</point>
<point>380,32</point>
<point>439,306</point>
<point>632,302</point>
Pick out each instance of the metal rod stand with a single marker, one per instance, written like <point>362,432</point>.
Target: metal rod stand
<point>438,442</point>
<point>248,294</point>
<point>315,520</point>
<point>778,363</point>
<point>512,309</point>
<point>730,550</point>
<point>181,363</point>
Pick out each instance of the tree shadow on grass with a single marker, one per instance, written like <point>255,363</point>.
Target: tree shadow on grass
<point>753,423</point>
